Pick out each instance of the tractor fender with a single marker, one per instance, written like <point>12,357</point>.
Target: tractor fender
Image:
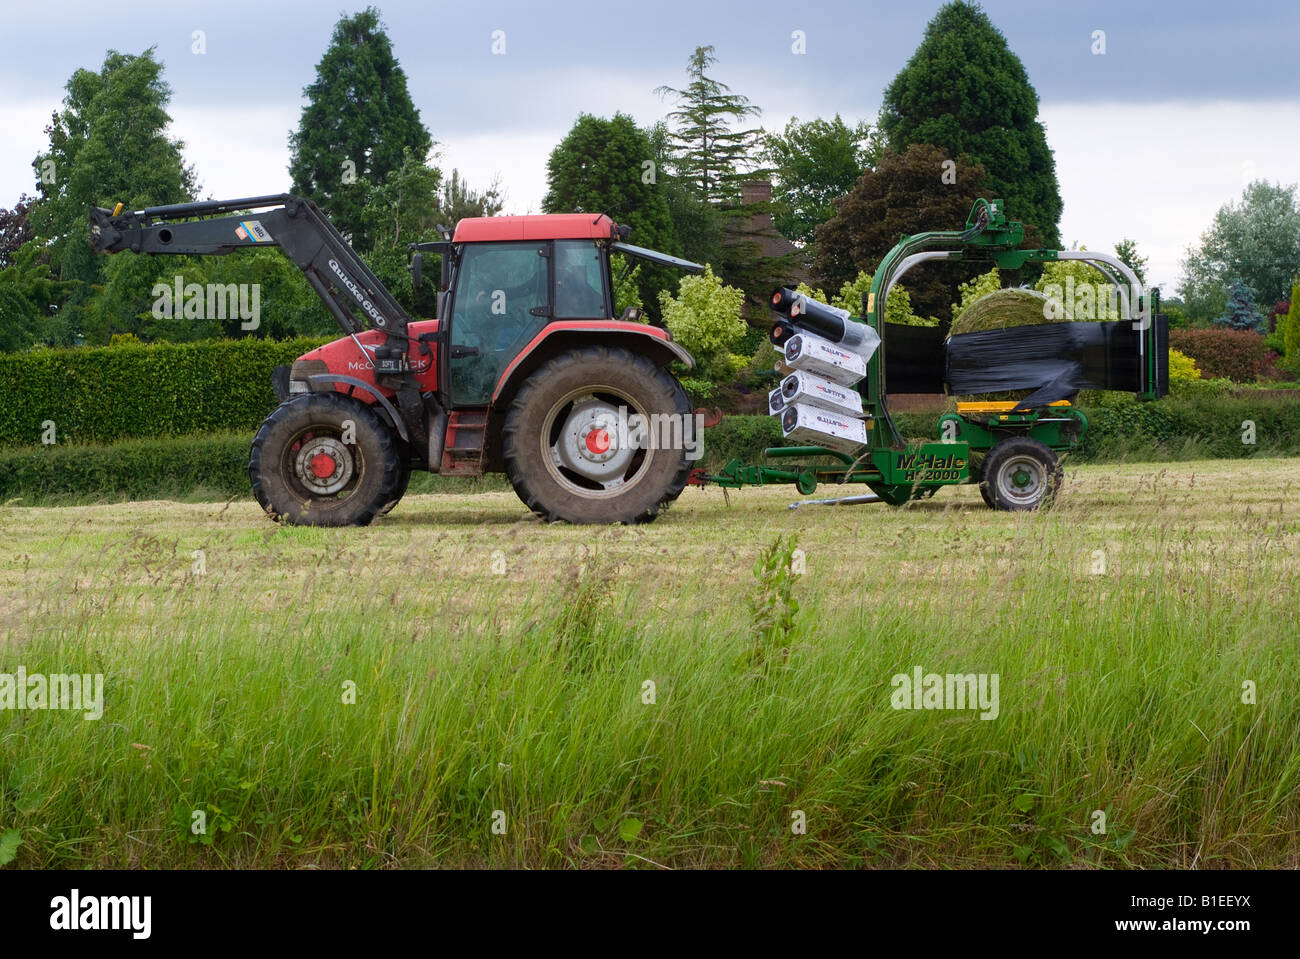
<point>325,381</point>
<point>555,338</point>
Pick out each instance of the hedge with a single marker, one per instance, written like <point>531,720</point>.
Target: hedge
<point>190,467</point>
<point>215,466</point>
<point>102,394</point>
<point>1237,355</point>
<point>1194,428</point>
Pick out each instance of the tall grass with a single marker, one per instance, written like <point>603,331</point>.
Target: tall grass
<point>600,702</point>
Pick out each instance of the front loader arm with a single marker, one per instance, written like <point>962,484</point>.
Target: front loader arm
<point>354,296</point>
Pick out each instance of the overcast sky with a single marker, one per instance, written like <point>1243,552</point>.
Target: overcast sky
<point>1189,101</point>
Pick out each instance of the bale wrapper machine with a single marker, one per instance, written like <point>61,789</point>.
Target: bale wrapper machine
<point>839,371</point>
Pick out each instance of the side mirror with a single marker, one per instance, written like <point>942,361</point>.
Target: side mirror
<point>445,280</point>
<point>417,270</point>
<point>631,315</point>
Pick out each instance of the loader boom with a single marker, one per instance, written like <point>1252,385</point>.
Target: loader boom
<point>352,293</point>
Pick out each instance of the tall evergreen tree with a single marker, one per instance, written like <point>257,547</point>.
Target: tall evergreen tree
<point>358,121</point>
<point>696,223</point>
<point>708,151</point>
<point>965,92</point>
<point>607,166</point>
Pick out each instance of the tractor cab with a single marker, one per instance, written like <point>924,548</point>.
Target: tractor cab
<point>506,279</point>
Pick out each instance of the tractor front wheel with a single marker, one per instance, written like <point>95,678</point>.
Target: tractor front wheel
<point>324,459</point>
<point>1020,474</point>
<point>403,480</point>
<point>599,435</point>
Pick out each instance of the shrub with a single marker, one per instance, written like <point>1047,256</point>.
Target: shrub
<point>1278,314</point>
<point>1290,327</point>
<point>1182,368</point>
<point>1239,355</point>
<point>976,288</point>
<point>705,318</point>
<point>1185,388</point>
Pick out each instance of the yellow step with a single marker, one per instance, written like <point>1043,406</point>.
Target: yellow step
<point>997,406</point>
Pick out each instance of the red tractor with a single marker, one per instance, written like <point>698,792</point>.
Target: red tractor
<point>524,370</point>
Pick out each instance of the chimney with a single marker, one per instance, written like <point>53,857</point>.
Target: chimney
<point>753,192</point>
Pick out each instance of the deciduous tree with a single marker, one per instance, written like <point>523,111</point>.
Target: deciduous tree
<point>902,195</point>
<point>608,166</point>
<point>1256,240</point>
<point>813,164</point>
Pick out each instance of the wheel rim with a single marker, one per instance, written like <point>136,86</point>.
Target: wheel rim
<point>585,443</point>
<point>1022,480</point>
<point>322,465</point>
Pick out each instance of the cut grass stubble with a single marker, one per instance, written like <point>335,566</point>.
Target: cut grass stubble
<point>594,692</point>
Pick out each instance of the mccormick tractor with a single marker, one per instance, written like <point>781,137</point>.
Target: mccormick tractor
<point>524,370</point>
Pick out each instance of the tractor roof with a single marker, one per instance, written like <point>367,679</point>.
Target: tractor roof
<point>547,226</point>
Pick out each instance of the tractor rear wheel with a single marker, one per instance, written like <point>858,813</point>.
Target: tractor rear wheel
<point>598,435</point>
<point>1020,474</point>
<point>324,459</point>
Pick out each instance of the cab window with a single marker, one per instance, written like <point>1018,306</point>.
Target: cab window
<point>579,281</point>
<point>500,304</point>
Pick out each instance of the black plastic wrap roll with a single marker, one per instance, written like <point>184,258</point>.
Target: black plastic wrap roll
<point>782,299</point>
<point>825,321</point>
<point>1055,360</point>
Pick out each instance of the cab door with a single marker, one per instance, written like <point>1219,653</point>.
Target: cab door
<point>501,301</point>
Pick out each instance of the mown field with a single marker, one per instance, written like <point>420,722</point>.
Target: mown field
<point>1145,633</point>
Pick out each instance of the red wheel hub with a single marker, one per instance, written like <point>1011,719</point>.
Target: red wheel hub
<point>598,441</point>
<point>323,465</point>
